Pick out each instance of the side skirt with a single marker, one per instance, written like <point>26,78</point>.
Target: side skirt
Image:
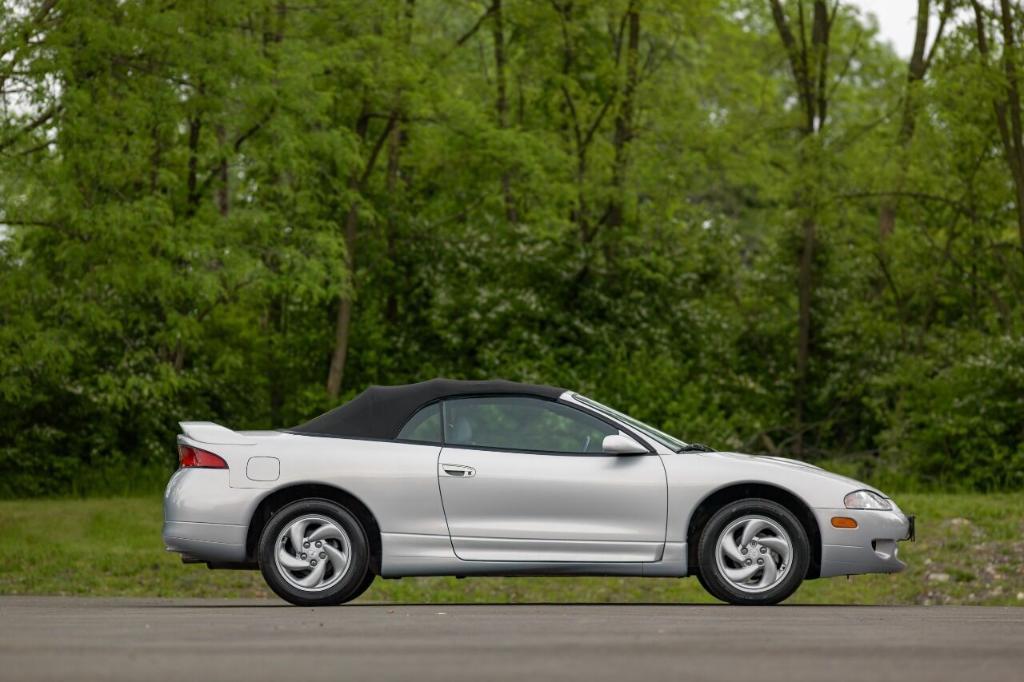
<point>406,555</point>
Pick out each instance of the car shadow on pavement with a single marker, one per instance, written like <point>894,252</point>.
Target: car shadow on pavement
<point>270,604</point>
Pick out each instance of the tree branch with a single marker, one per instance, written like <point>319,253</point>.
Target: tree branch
<point>947,10</point>
<point>255,128</point>
<point>371,160</point>
<point>921,196</point>
<point>32,125</point>
<point>796,55</point>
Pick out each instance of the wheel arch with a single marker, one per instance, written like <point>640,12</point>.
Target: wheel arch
<point>276,500</point>
<point>734,492</point>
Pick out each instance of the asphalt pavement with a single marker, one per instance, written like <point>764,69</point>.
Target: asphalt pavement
<point>57,638</point>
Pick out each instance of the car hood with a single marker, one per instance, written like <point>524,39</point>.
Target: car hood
<point>792,465</point>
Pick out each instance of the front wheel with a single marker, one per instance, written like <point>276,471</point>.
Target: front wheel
<point>753,552</point>
<point>315,553</point>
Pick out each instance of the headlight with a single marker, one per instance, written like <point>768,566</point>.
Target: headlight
<point>865,499</point>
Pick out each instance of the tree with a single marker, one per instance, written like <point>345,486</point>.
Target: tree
<point>249,210</point>
<point>1006,96</point>
<point>808,52</point>
<point>921,58</point>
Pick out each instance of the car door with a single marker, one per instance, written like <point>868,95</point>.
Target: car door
<point>526,479</point>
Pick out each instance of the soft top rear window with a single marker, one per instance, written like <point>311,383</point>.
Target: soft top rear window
<point>424,426</point>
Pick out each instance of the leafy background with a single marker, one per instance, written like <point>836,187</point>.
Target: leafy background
<point>249,210</point>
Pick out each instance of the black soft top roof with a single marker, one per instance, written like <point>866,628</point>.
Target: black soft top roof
<point>381,411</point>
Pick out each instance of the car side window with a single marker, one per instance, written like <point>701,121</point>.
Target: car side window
<point>424,426</point>
<point>523,423</point>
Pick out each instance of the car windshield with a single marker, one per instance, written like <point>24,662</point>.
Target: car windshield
<point>670,442</point>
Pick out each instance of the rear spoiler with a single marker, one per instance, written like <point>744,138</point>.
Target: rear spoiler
<point>213,434</point>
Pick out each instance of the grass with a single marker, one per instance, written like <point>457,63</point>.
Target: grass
<point>970,550</point>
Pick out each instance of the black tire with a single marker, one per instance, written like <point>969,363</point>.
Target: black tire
<point>354,581</point>
<point>702,581</point>
<point>711,576</point>
<point>364,586</point>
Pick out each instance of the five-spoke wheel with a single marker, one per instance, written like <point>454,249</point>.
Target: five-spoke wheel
<point>753,552</point>
<point>315,553</point>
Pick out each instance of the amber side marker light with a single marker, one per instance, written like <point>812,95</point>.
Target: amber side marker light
<point>843,522</point>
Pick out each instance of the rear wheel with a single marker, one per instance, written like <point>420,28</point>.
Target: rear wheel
<point>753,552</point>
<point>315,553</point>
<point>364,586</point>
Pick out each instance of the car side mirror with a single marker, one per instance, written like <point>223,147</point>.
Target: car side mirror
<point>618,444</point>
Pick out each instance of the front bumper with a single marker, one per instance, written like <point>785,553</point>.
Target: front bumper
<point>871,547</point>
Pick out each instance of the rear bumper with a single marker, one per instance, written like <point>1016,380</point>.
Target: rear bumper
<point>205,518</point>
<point>871,547</point>
<point>206,541</point>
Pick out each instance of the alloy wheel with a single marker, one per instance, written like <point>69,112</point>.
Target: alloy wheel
<point>313,552</point>
<point>754,553</point>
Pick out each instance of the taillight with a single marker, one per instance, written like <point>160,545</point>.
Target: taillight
<point>189,456</point>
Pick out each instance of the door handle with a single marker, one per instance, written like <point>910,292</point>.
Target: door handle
<point>457,470</point>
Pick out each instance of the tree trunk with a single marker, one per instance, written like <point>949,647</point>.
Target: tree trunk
<point>501,102</point>
<point>808,62</point>
<point>1007,104</point>
<point>1015,144</point>
<point>223,188</point>
<point>805,294</point>
<point>343,320</point>
<point>195,127</point>
<point>357,183</point>
<point>624,130</point>
<point>395,183</point>
<point>916,70</point>
<point>155,159</point>
<point>276,376</point>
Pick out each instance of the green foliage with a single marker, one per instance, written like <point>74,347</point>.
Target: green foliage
<point>187,191</point>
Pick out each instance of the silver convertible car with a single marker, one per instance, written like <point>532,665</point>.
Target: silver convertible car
<point>486,478</point>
